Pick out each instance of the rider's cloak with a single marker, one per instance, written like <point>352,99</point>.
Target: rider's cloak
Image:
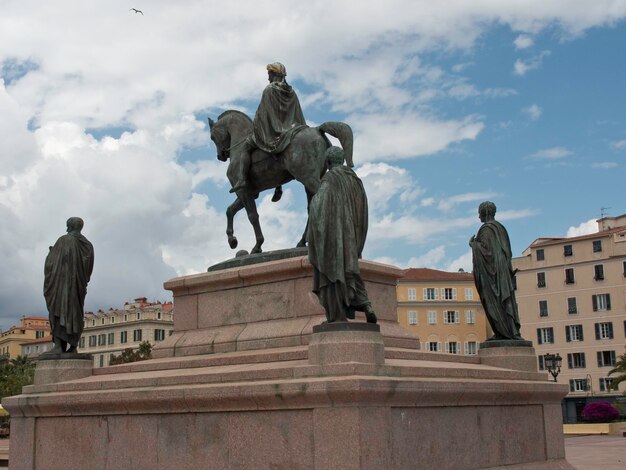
<point>278,116</point>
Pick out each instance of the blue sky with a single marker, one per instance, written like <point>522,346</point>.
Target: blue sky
<point>104,116</point>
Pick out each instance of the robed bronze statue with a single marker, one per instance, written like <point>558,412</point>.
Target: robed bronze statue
<point>338,219</point>
<point>67,271</point>
<point>273,149</point>
<point>494,275</point>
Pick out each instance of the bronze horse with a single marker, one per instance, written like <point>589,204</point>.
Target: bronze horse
<point>303,160</point>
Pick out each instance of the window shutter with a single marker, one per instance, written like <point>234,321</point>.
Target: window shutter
<point>602,385</point>
<point>610,330</point>
<point>612,354</point>
<point>582,335</point>
<point>436,293</point>
<point>570,361</point>
<point>594,301</point>
<point>424,297</point>
<point>600,364</point>
<point>443,293</point>
<point>465,347</point>
<point>572,387</point>
<point>568,337</point>
<point>583,360</point>
<point>608,301</point>
<point>438,346</point>
<point>539,336</point>
<point>597,326</point>
<point>457,317</point>
<point>454,293</point>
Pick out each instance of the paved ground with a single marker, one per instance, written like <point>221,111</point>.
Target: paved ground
<point>596,452</point>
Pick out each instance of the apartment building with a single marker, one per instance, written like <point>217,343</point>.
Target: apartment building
<point>32,349</point>
<point>29,329</point>
<point>108,333</point>
<point>571,294</point>
<point>443,309</point>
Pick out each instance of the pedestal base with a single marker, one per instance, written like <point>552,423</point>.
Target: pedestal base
<point>509,357</point>
<point>52,371</point>
<point>346,345</point>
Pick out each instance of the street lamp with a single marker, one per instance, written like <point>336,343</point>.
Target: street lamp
<point>552,362</point>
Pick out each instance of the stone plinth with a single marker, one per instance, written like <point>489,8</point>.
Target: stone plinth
<point>509,357</point>
<point>361,343</point>
<point>61,370</point>
<point>267,305</point>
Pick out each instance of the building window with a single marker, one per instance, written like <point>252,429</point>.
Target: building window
<point>545,335</point>
<point>598,272</point>
<point>430,293</point>
<point>469,293</point>
<point>111,338</point>
<point>158,315</point>
<point>102,340</point>
<point>540,254</point>
<point>541,279</point>
<point>125,317</point>
<point>601,302</point>
<point>81,342</point>
<point>452,347</point>
<point>471,348</point>
<point>543,308</point>
<point>574,333</point>
<point>541,363</point>
<point>605,384</point>
<point>159,335</point>
<point>571,305</point>
<point>578,385</point>
<point>432,318</point>
<point>136,335</point>
<point>92,341</point>
<point>39,334</point>
<point>412,317</point>
<point>411,294</point>
<point>112,319</point>
<point>93,322</point>
<point>567,250</point>
<point>604,330</point>
<point>448,293</point>
<point>101,360</point>
<point>138,315</point>
<point>597,246</point>
<point>434,346</point>
<point>569,276</point>
<point>470,318</point>
<point>102,321</point>
<point>624,269</point>
<point>124,337</point>
<point>450,317</point>
<point>576,360</point>
<point>606,358</point>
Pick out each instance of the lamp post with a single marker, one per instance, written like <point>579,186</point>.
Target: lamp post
<point>552,362</point>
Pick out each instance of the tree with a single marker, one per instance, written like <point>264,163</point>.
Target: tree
<point>129,355</point>
<point>15,374</point>
<point>620,368</point>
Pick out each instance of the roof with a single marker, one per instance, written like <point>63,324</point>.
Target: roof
<point>543,241</point>
<point>45,339</point>
<point>427,274</point>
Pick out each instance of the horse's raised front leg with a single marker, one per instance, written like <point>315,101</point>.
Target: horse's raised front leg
<point>230,216</point>
<point>248,202</point>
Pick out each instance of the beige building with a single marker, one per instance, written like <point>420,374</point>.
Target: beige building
<point>29,329</point>
<point>571,297</point>
<point>443,309</point>
<point>109,333</point>
<point>33,348</point>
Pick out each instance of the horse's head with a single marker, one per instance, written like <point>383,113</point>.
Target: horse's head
<point>221,138</point>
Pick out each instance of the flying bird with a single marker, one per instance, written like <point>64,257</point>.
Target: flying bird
<point>136,11</point>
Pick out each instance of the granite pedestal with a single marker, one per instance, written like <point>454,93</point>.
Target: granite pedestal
<point>318,400</point>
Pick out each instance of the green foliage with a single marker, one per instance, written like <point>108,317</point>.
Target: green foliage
<point>620,368</point>
<point>15,374</point>
<point>129,355</point>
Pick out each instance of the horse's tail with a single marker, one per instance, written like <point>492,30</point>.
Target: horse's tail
<point>343,132</point>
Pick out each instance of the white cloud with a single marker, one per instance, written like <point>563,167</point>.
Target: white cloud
<point>585,228</point>
<point>523,41</point>
<point>522,67</point>
<point>427,201</point>
<point>383,182</point>
<point>553,153</point>
<point>430,259</point>
<point>604,165</point>
<point>450,202</point>
<point>463,262</point>
<point>533,111</point>
<point>619,144</point>
<point>409,135</point>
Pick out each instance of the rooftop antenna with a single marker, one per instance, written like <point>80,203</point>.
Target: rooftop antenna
<point>603,212</point>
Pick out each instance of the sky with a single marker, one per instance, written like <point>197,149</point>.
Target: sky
<point>103,115</point>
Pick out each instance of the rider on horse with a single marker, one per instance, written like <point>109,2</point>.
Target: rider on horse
<point>277,118</point>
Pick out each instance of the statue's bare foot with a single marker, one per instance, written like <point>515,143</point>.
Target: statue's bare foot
<point>370,316</point>
<point>256,249</point>
<point>350,314</point>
